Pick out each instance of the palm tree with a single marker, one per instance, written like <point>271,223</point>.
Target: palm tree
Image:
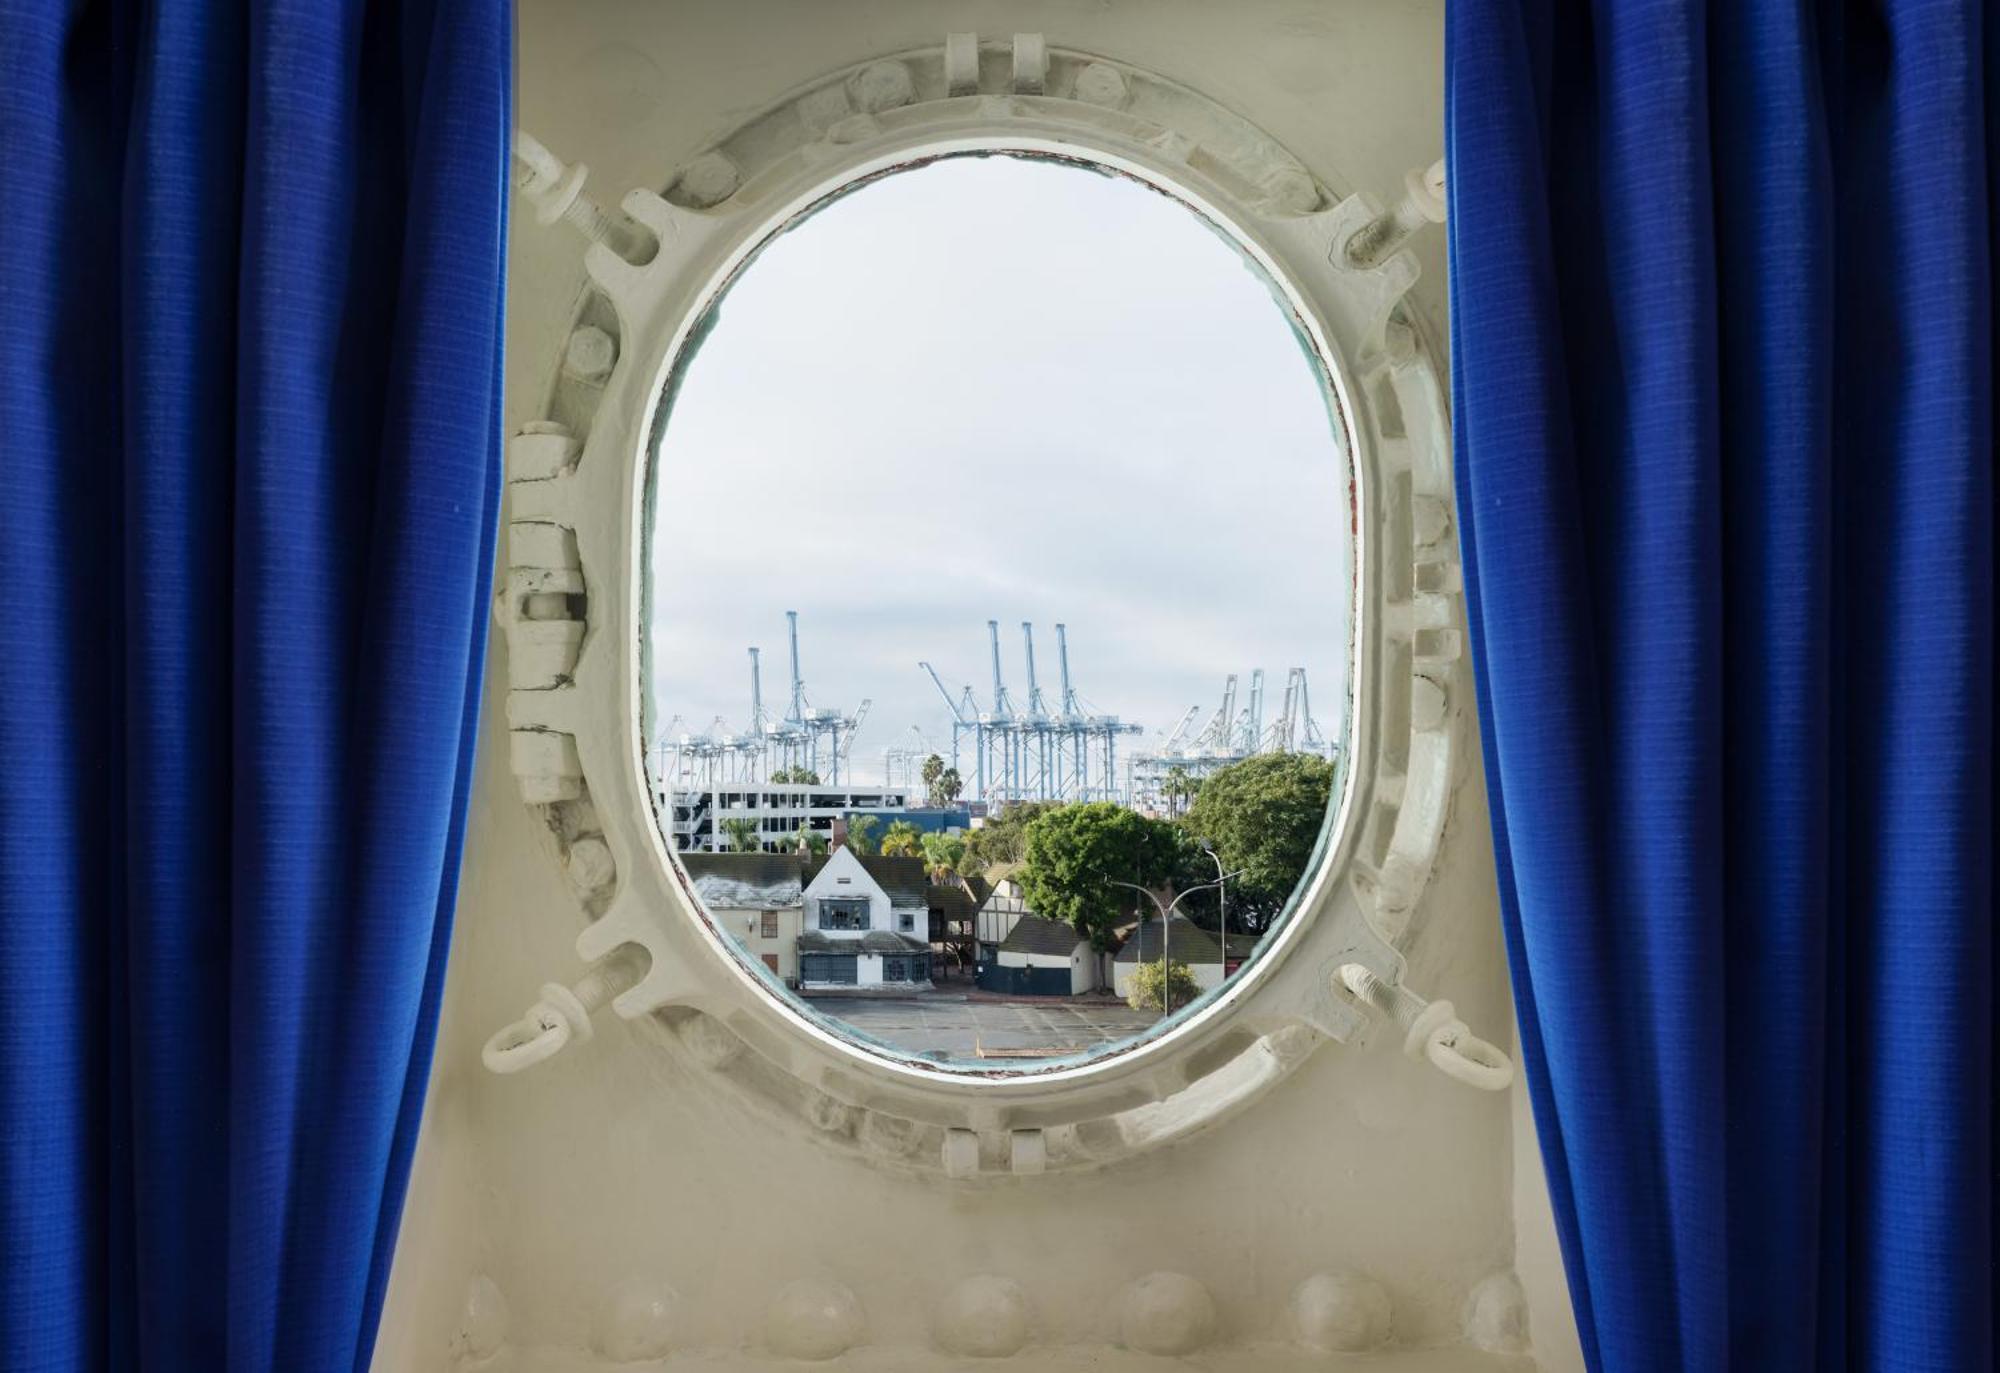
<point>810,840</point>
<point>902,840</point>
<point>860,829</point>
<point>743,836</point>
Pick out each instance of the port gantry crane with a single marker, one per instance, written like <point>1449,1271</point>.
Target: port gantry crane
<point>807,738</point>
<point>1029,751</point>
<point>1229,736</point>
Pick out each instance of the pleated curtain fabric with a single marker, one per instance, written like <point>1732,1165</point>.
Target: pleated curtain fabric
<point>250,321</point>
<point>1722,302</point>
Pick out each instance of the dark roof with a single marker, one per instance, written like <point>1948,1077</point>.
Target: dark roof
<point>902,879</point>
<point>1036,934</point>
<point>874,941</point>
<point>1241,945</point>
<point>744,879</point>
<point>953,900</point>
<point>1189,943</point>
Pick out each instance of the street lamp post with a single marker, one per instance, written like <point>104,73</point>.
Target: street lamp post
<point>1166,920</point>
<point>1221,903</point>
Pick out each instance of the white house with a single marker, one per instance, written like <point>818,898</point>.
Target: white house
<point>866,924</point>
<point>999,912</point>
<point>755,899</point>
<point>1186,942</point>
<point>1041,957</point>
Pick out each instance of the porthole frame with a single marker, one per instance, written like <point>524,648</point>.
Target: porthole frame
<point>577,530</point>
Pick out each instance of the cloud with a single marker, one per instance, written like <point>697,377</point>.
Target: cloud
<point>1007,389</point>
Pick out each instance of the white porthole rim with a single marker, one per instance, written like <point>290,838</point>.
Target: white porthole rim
<point>1320,888</point>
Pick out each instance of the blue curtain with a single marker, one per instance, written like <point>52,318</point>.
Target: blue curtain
<point>250,295</point>
<point>1723,365</point>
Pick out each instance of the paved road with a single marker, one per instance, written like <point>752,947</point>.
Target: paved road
<point>945,1025</point>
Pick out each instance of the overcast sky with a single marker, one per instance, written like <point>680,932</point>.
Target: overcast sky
<point>992,388</point>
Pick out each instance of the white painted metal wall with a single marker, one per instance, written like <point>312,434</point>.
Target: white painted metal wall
<point>616,1203</point>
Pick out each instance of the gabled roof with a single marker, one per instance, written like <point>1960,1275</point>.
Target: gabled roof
<point>902,879</point>
<point>996,873</point>
<point>1034,934</point>
<point>726,881</point>
<point>1241,945</point>
<point>1188,943</point>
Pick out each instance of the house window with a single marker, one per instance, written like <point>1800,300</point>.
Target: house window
<point>843,912</point>
<point>830,968</point>
<point>770,926</point>
<point>908,922</point>
<point>895,970</point>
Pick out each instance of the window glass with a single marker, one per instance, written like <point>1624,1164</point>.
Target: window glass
<point>1050,639</point>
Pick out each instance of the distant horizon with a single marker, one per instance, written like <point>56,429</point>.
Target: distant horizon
<point>1085,350</point>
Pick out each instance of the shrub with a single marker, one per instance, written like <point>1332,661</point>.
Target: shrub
<point>1147,979</point>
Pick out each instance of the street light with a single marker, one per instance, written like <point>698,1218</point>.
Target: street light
<point>1166,919</point>
<point>1221,902</point>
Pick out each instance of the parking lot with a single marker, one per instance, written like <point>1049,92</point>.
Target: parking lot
<point>950,1025</point>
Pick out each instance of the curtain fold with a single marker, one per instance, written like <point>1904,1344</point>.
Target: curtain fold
<point>250,323</point>
<point>1723,374</point>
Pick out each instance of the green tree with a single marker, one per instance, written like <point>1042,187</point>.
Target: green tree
<point>1264,816</point>
<point>1074,857</point>
<point>949,785</point>
<point>810,840</point>
<point>945,855</point>
<point>902,840</point>
<point>861,834</point>
<point>933,769</point>
<point>742,832</point>
<point>1003,838</point>
<point>1148,978</point>
<point>803,776</point>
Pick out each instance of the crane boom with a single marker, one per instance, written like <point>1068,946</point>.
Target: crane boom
<point>798,714</point>
<point>1069,706</point>
<point>1001,705</point>
<point>1037,707</point>
<point>950,705</point>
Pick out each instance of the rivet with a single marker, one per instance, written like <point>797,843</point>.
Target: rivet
<point>814,1319</point>
<point>1166,1313</point>
<point>1496,1315</point>
<point>637,1321</point>
<point>1341,1312</point>
<point>983,1317</point>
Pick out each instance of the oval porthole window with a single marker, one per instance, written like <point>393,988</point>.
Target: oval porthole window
<point>999,581</point>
